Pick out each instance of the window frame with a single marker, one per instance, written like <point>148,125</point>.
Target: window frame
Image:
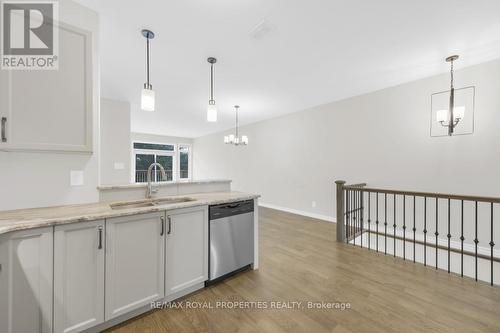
<point>190,161</point>
<point>175,159</point>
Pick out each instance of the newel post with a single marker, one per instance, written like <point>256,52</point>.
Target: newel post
<point>341,237</point>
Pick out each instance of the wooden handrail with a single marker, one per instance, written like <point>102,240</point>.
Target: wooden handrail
<point>356,185</point>
<point>425,194</point>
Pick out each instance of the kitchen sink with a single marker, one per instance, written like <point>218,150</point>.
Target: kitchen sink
<point>149,203</point>
<point>128,205</point>
<point>166,201</point>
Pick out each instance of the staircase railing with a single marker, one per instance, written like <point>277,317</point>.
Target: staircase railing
<point>408,224</point>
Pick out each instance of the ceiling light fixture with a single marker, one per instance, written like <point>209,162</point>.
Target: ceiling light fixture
<point>451,117</point>
<point>235,139</point>
<point>211,109</point>
<point>148,94</point>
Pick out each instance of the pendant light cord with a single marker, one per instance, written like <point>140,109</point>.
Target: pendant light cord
<point>147,62</point>
<point>237,134</point>
<point>212,82</point>
<point>451,72</point>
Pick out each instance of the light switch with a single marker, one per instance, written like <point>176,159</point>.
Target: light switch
<point>76,177</point>
<point>119,166</point>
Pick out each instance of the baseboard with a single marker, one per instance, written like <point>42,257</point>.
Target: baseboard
<point>299,212</point>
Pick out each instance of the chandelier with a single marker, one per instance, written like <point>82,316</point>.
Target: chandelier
<point>235,139</point>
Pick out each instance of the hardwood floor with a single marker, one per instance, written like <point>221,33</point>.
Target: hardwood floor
<point>300,261</point>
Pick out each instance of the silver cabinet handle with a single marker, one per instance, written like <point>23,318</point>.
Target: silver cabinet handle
<point>169,225</point>
<point>100,237</point>
<point>162,221</point>
<point>4,129</point>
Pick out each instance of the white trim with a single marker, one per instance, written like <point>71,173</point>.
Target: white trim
<point>299,212</point>
<point>190,161</point>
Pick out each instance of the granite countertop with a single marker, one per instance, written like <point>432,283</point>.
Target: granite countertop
<point>22,219</point>
<point>141,185</point>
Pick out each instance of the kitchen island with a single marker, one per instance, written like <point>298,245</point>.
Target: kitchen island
<point>92,266</point>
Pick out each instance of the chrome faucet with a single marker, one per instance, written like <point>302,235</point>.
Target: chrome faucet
<point>151,189</point>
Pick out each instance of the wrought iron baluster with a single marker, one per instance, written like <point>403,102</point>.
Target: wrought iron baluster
<point>394,227</point>
<point>462,238</point>
<point>351,213</point>
<point>437,233</point>
<point>476,241</point>
<point>369,220</point>
<point>425,231</point>
<point>414,228</point>
<point>356,194</point>
<point>354,200</point>
<point>492,244</point>
<point>348,207</point>
<point>449,233</point>
<point>361,204</point>
<point>385,223</point>
<point>377,222</point>
<point>404,227</point>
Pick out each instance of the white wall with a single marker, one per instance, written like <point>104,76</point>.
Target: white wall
<point>115,142</point>
<point>382,138</point>
<point>43,179</point>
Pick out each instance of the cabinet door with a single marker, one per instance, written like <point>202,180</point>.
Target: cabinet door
<point>186,248</point>
<point>135,262</point>
<point>51,110</point>
<point>78,276</point>
<point>26,281</point>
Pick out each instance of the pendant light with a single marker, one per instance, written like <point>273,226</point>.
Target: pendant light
<point>235,139</point>
<point>148,94</point>
<point>451,117</point>
<point>211,109</point>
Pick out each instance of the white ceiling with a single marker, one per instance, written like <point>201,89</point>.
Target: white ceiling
<point>315,52</point>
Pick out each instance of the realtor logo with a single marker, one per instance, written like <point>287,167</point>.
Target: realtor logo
<point>29,35</point>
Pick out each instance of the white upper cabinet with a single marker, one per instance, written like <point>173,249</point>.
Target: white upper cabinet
<point>78,276</point>
<point>187,248</point>
<point>26,281</point>
<point>51,110</point>
<point>135,262</point>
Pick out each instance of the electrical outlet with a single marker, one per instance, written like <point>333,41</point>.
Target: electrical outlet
<point>313,204</point>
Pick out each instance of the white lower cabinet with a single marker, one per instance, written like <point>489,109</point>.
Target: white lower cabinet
<point>186,248</point>
<point>78,276</point>
<point>73,277</point>
<point>26,279</point>
<point>135,262</point>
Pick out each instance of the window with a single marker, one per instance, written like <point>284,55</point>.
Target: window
<point>171,157</point>
<point>184,160</point>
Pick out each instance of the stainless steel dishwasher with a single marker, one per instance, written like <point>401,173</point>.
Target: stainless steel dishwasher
<point>231,239</point>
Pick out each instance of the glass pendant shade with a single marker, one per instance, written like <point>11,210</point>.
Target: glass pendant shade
<point>148,100</point>
<point>244,139</point>
<point>459,112</point>
<point>211,112</point>
<point>442,116</point>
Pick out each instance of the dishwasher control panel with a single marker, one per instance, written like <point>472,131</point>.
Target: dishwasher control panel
<point>230,209</point>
